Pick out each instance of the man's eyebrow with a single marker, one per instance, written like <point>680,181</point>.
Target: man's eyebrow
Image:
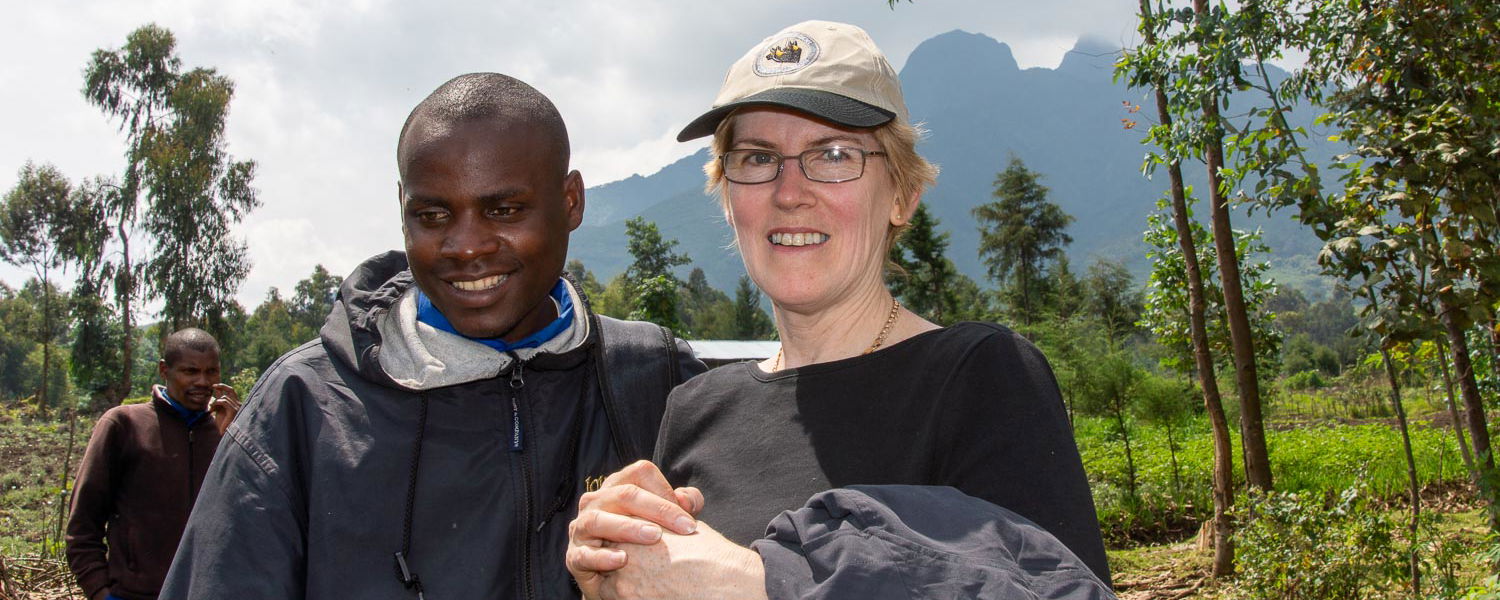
<point>503,194</point>
<point>424,200</point>
<point>493,197</point>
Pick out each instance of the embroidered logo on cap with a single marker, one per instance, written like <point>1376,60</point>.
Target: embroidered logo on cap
<point>787,54</point>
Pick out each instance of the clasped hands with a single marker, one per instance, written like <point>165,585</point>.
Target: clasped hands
<point>637,537</point>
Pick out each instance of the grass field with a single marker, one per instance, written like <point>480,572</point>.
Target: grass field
<point>1152,537</point>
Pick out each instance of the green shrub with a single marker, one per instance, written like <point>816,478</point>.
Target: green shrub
<point>1306,380</point>
<point>1489,589</point>
<point>243,381</point>
<point>1305,547</point>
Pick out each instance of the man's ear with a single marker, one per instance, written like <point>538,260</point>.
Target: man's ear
<point>161,369</point>
<point>573,196</point>
<point>401,205</point>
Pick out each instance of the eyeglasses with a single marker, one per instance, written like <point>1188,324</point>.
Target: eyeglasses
<point>830,164</point>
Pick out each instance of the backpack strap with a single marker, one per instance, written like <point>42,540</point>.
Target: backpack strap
<point>636,365</point>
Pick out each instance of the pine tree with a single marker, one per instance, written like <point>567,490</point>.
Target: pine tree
<point>1020,232</point>
<point>927,282</point>
<point>750,322</point>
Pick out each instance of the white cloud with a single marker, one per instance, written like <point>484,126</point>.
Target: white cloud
<point>322,86</point>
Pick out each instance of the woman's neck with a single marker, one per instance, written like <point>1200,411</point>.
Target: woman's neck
<point>848,328</point>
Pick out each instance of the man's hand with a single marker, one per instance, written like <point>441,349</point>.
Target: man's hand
<point>701,565</point>
<point>225,405</point>
<point>632,506</point>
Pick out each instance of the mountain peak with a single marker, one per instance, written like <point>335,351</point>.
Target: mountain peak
<point>961,48</point>
<point>1090,55</point>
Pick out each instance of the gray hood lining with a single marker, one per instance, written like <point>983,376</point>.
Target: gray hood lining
<point>420,357</point>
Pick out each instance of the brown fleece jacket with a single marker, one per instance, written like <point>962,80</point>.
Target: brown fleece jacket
<point>135,486</point>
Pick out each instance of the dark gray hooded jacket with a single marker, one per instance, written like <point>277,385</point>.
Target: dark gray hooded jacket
<point>309,494</point>
<point>904,542</point>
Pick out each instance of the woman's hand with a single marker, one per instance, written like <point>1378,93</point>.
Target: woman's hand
<point>701,565</point>
<point>631,506</point>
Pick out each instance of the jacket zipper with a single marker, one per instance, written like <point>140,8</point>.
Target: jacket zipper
<point>192,496</point>
<point>517,444</point>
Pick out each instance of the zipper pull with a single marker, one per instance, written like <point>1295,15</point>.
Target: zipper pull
<point>517,381</point>
<point>517,377</point>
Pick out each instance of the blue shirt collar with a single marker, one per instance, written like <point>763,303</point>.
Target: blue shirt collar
<point>429,314</point>
<point>188,416</point>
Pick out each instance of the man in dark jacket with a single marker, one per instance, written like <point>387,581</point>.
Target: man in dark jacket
<point>143,468</point>
<point>438,434</point>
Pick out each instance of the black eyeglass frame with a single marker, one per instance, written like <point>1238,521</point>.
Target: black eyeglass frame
<point>801,164</point>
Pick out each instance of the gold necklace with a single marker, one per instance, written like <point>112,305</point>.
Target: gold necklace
<point>890,320</point>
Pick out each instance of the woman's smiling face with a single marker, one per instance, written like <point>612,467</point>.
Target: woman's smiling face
<point>809,244</point>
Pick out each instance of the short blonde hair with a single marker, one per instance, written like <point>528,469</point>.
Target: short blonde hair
<point>911,173</point>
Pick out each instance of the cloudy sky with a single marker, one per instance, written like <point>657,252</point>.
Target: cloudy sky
<point>322,87</point>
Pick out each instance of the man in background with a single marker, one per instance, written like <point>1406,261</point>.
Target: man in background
<point>142,471</point>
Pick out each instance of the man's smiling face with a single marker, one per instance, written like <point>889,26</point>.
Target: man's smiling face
<point>486,212</point>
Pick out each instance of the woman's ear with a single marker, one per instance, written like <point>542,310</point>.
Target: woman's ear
<point>901,213</point>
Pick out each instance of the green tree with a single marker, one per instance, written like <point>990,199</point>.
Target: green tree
<point>1108,385</point>
<point>1019,233</point>
<point>656,301</point>
<point>1413,89</point>
<point>43,344</point>
<point>926,280</point>
<point>615,299</point>
<point>230,327</point>
<point>195,192</point>
<point>17,322</point>
<point>1198,55</point>
<point>312,299</point>
<point>1166,298</point>
<point>1111,297</point>
<point>1149,66</point>
<point>649,277</point>
<point>1319,335</point>
<point>132,85</point>
<point>97,339</point>
<point>270,331</point>
<point>707,313</point>
<point>1165,402</point>
<point>1213,72</point>
<point>1067,290</point>
<point>40,221</point>
<point>750,322</point>
<point>587,283</point>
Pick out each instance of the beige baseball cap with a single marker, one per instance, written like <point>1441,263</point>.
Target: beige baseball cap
<point>832,71</point>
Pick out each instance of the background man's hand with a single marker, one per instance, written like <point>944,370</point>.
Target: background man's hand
<point>224,406</point>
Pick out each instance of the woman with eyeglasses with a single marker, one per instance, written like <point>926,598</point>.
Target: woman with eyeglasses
<point>845,440</point>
